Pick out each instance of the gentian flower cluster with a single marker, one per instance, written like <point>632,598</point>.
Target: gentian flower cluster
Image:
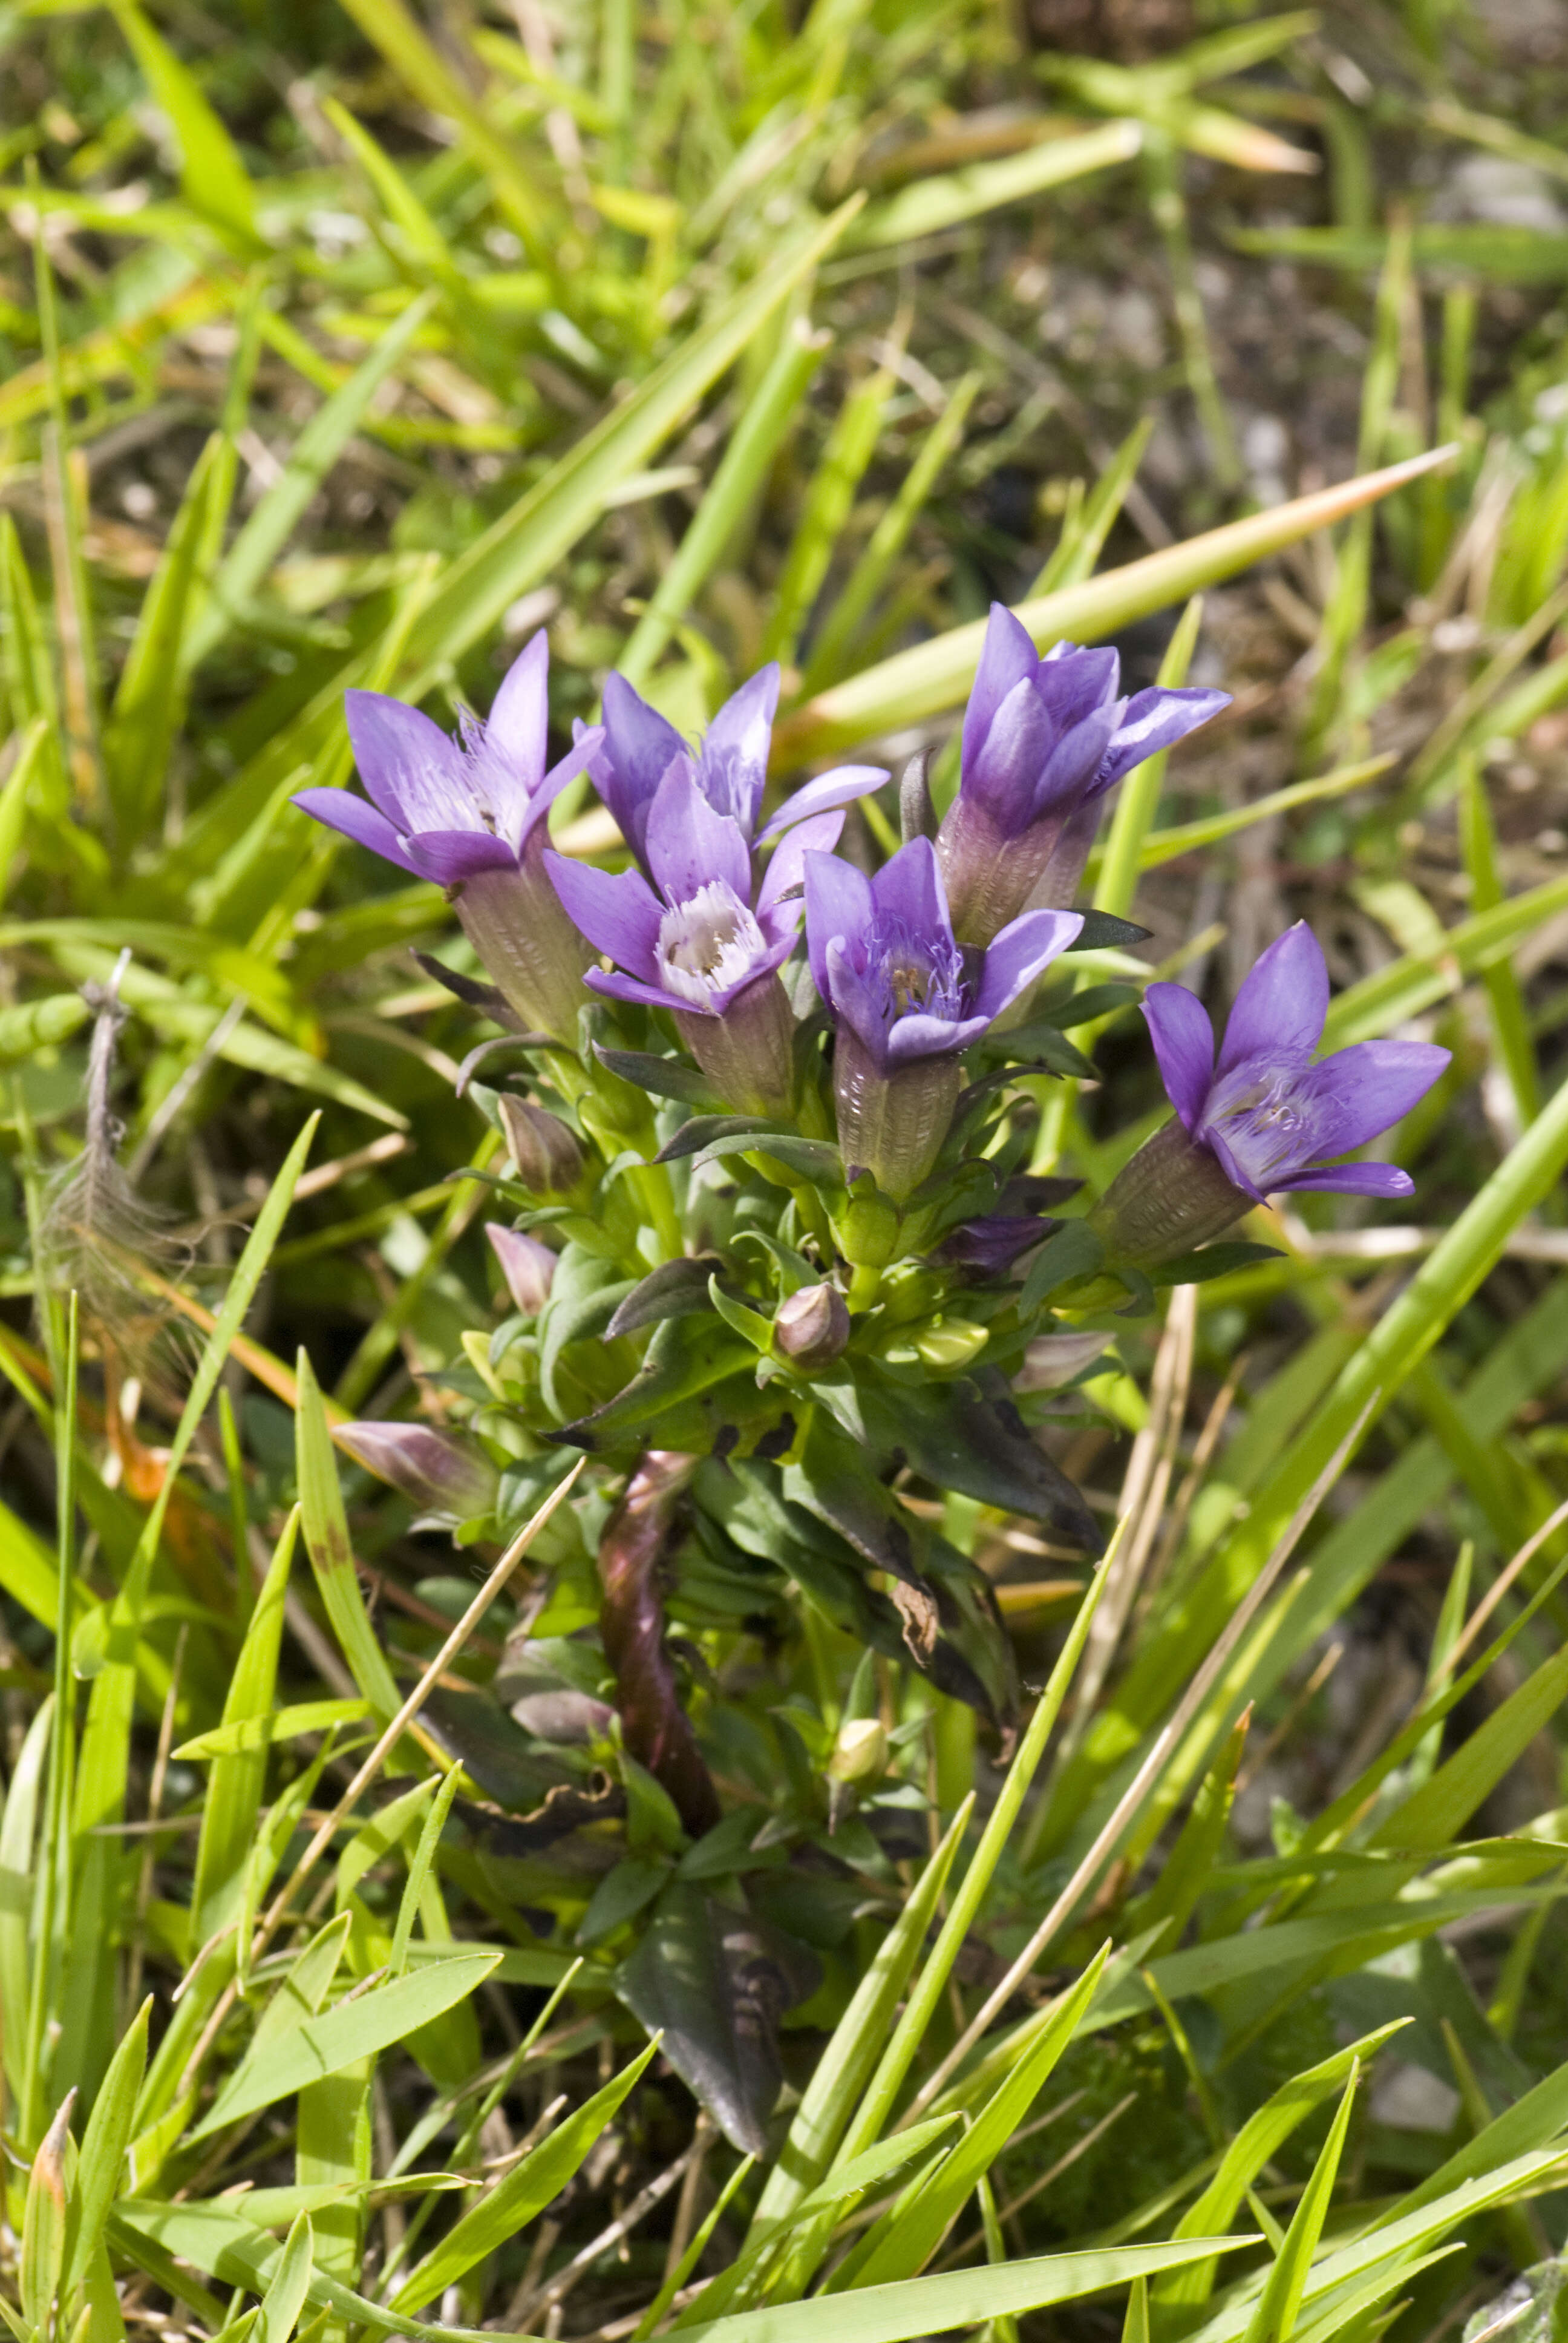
<point>770,1243</point>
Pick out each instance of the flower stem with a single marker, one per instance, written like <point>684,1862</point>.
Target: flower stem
<point>657,1730</point>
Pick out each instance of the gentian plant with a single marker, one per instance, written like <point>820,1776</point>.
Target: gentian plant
<point>777,1259</point>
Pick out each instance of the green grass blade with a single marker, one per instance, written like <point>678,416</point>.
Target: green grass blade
<point>932,204</point>
<point>331,1549</point>
<point>1275,2317</point>
<point>731,495</point>
<point>322,2046</point>
<point>212,177</point>
<point>101,2166</point>
<point>238,1779</point>
<point>269,528</point>
<point>935,675</point>
<point>524,2192</point>
<point>1138,798</point>
<point>527,542</point>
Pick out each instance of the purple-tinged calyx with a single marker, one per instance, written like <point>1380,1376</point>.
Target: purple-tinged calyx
<point>703,940</point>
<point>729,764</point>
<point>527,1266</point>
<point>470,815</point>
<point>449,1479</point>
<point>1043,741</point>
<point>545,1153</point>
<point>1263,1117</point>
<point>906,1000</point>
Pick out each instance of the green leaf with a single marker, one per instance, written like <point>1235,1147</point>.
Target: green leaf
<point>36,1025</point>
<point>527,542</point>
<point>289,2290</point>
<point>524,2192</point>
<point>931,205</point>
<point>101,2166</point>
<point>1275,2317</point>
<point>211,176</point>
<point>669,1078</point>
<point>322,2046</point>
<point>269,527</point>
<point>45,2219</point>
<point>331,1550</point>
<point>238,1778</point>
<point>934,2306</point>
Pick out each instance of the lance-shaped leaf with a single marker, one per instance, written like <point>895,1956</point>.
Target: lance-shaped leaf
<point>967,1436</point>
<point>714,1985</point>
<point>687,1356</point>
<point>676,1289</point>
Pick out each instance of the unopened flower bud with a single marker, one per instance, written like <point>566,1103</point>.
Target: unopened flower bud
<point>868,1230</point>
<point>860,1752</point>
<point>812,1328</point>
<point>949,1343</point>
<point>547,1156</point>
<point>527,1265</point>
<point>447,1478</point>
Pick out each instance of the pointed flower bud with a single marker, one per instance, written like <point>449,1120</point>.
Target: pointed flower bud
<point>546,1156</point>
<point>470,814</point>
<point>1263,1118</point>
<point>449,1479</point>
<point>860,1752</point>
<point>1043,741</point>
<point>527,1265</point>
<point>906,1000</point>
<point>810,1328</point>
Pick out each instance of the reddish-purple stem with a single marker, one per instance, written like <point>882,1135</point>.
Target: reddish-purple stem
<point>657,1729</point>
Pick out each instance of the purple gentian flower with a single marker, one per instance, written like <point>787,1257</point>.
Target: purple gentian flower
<point>729,765</point>
<point>1043,741</point>
<point>470,814</point>
<point>906,1000</point>
<point>1263,1118</point>
<point>703,940</point>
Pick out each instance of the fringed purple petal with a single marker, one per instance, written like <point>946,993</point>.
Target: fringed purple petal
<point>1010,757</point>
<point>341,810</point>
<point>687,844</point>
<point>919,1036</point>
<point>1385,1179</point>
<point>1183,1043</point>
<point>412,771</point>
<point>1020,953</point>
<point>1152,721</point>
<point>1076,683</point>
<point>837,788</point>
<point>1280,1010</point>
<point>780,899</point>
<point>1008,657</point>
<point>732,762</point>
<point>639,747</point>
<point>519,723</point>
<point>578,759</point>
<point>837,904</point>
<point>647,996</point>
<point>855,1001</point>
<point>1068,773</point>
<point>618,913</point>
<point>909,887</point>
<point>1366,1089</point>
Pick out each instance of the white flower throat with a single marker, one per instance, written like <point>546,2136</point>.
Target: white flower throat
<point>708,943</point>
